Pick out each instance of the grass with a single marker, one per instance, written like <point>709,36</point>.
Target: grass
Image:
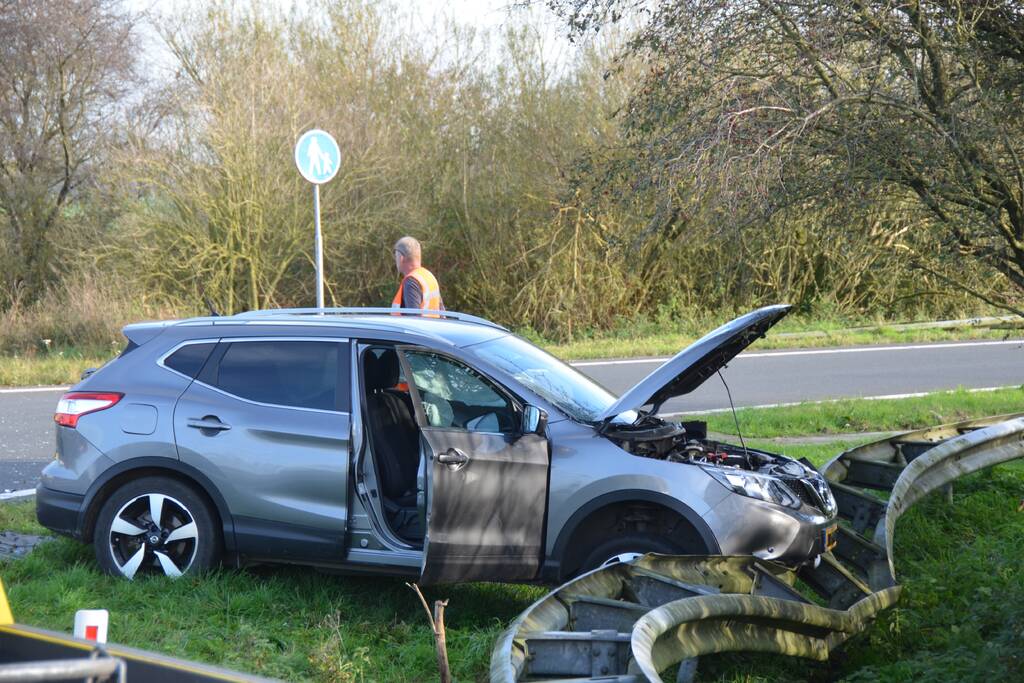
<point>962,568</point>
<point>291,623</point>
<point>648,340</point>
<point>58,367</point>
<point>65,365</point>
<point>19,516</point>
<point>960,617</point>
<point>858,415</point>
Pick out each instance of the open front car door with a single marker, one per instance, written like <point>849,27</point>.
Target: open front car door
<point>487,491</point>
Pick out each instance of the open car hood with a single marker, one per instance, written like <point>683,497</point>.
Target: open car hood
<point>688,369</point>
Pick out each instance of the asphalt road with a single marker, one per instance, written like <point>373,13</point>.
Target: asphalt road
<point>26,436</point>
<point>794,375</point>
<point>755,378</point>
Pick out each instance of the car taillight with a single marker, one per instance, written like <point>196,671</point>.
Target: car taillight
<point>78,403</point>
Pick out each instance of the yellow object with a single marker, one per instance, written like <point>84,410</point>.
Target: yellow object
<point>5,609</point>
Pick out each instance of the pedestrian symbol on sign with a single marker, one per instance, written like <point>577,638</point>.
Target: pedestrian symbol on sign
<point>317,156</point>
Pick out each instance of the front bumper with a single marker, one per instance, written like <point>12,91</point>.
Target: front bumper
<point>745,526</point>
<point>59,511</point>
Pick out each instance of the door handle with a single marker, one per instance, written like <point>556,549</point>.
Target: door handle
<point>453,456</point>
<point>210,422</point>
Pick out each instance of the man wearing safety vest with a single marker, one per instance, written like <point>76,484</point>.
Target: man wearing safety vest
<point>419,288</point>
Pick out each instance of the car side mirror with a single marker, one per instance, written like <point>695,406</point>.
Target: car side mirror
<point>535,420</point>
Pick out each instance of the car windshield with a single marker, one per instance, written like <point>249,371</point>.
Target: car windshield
<point>562,385</point>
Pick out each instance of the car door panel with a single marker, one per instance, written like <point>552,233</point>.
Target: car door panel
<point>486,515</point>
<point>279,463</point>
<point>486,518</point>
<point>283,471</point>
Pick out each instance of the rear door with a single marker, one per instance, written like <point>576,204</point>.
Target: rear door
<point>487,493</point>
<point>267,420</point>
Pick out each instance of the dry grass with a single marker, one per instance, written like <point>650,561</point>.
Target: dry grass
<point>82,316</point>
<point>46,370</point>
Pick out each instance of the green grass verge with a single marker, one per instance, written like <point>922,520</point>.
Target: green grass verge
<point>20,516</point>
<point>858,415</point>
<point>654,343</point>
<point>638,339</point>
<point>289,623</point>
<point>960,618</point>
<point>50,369</point>
<point>962,567</point>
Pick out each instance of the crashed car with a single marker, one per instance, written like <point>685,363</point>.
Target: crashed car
<point>432,445</point>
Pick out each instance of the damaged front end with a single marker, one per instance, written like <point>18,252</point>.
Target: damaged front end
<point>630,622</point>
<point>750,472</point>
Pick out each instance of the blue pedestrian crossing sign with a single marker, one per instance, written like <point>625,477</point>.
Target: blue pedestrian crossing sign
<point>317,156</point>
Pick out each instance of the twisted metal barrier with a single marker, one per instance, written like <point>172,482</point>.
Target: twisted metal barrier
<point>627,623</point>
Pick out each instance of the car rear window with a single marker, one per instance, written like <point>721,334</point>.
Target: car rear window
<point>301,374</point>
<point>189,359</point>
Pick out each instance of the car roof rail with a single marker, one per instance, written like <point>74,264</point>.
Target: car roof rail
<point>416,312</point>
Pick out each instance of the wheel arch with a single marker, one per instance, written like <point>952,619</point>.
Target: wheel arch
<point>591,517</point>
<point>123,472</point>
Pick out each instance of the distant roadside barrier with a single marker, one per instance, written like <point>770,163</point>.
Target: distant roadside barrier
<point>1008,321</point>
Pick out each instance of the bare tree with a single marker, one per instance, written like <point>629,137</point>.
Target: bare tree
<point>776,103</point>
<point>65,67</point>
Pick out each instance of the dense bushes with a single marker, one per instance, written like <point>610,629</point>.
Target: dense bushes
<point>499,161</point>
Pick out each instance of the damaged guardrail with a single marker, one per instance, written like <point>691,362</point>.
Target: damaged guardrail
<point>632,621</point>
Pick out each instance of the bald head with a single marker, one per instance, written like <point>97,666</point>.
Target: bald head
<point>409,247</point>
<point>407,255</point>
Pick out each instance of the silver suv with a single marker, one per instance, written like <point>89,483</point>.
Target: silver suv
<point>435,446</point>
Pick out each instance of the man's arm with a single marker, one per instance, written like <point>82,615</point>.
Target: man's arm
<point>412,295</point>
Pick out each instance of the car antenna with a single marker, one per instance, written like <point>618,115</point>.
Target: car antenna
<point>735,419</point>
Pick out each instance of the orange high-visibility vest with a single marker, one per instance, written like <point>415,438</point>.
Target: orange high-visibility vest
<point>428,285</point>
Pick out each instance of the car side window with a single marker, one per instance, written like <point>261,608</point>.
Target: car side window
<point>189,359</point>
<point>300,374</point>
<point>454,395</point>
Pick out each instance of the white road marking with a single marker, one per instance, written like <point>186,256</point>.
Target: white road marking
<point>886,397</point>
<point>23,493</point>
<point>815,352</point>
<point>32,390</point>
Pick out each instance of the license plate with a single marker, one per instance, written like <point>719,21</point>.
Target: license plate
<point>830,536</point>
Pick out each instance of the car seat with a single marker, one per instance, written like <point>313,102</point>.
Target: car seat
<point>394,436</point>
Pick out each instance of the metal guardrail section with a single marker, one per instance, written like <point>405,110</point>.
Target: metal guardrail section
<point>28,653</point>
<point>97,668</point>
<point>630,622</point>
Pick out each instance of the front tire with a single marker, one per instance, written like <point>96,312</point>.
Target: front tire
<point>156,525</point>
<point>624,548</point>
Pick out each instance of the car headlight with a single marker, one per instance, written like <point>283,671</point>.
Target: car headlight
<point>768,489</point>
<point>828,500</point>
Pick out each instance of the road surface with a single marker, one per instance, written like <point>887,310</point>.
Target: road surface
<point>755,378</point>
<point>793,375</point>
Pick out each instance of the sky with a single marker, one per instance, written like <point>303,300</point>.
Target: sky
<point>484,15</point>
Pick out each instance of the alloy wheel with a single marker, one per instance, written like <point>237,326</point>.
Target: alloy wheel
<point>621,557</point>
<point>153,533</point>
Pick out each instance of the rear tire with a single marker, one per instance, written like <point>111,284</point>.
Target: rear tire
<point>184,537</point>
<point>611,550</point>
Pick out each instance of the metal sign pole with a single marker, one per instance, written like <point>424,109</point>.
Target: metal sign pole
<point>318,158</point>
<point>319,249</point>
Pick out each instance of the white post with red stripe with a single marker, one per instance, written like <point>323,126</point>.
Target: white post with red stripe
<point>91,624</point>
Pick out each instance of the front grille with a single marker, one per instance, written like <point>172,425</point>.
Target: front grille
<point>804,493</point>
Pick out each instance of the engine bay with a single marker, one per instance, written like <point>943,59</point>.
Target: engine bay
<point>687,443</point>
